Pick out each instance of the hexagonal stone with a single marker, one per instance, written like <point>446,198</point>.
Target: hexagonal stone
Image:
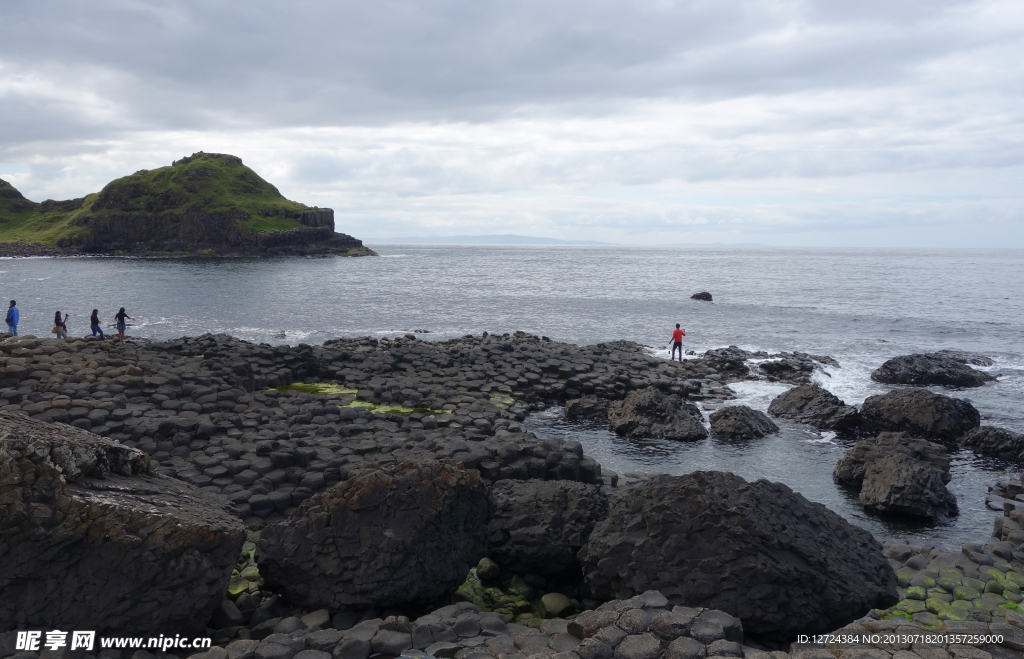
<point>638,646</point>
<point>911,606</point>
<point>916,593</point>
<point>965,593</point>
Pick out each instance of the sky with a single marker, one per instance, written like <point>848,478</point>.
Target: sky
<point>876,123</point>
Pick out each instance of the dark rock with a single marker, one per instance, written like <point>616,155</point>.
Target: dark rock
<point>851,468</point>
<point>685,648</point>
<point>92,539</point>
<point>758,551</point>
<point>703,297</point>
<point>402,534</point>
<point>487,570</point>
<point>588,406</point>
<point>929,369</point>
<point>638,646</point>
<point>996,443</point>
<point>650,413</point>
<point>729,361</point>
<point>741,422</point>
<point>899,485</point>
<point>920,413</point>
<point>555,605</point>
<point>227,615</point>
<point>540,526</point>
<point>814,406</point>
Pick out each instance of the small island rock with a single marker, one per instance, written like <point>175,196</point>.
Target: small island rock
<point>741,422</point>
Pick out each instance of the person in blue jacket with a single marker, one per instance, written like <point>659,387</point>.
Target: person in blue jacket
<point>12,318</point>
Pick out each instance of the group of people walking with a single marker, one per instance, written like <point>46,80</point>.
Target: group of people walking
<point>60,323</point>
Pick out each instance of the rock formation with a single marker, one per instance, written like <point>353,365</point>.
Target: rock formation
<point>650,413</point>
<point>400,534</point>
<point>759,551</point>
<point>920,413</point>
<point>996,443</point>
<point>816,406</point>
<point>91,540</point>
<point>932,368</point>
<point>741,422</point>
<point>540,526</point>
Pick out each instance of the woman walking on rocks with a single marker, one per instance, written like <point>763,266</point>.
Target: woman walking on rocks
<point>120,317</point>
<point>60,327</point>
<point>95,323</point>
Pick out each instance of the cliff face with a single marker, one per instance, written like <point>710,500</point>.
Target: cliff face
<point>206,203</point>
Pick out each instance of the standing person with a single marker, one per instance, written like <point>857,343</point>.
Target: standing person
<point>61,326</point>
<point>12,318</point>
<point>120,318</point>
<point>95,323</point>
<point>677,342</point>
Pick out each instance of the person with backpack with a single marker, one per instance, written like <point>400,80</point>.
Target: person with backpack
<point>12,318</point>
<point>60,327</point>
<point>94,322</point>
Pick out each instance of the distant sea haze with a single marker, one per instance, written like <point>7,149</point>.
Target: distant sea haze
<point>512,239</point>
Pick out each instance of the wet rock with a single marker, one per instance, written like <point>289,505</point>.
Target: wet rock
<point>728,362</point>
<point>815,406</point>
<point>401,534</point>
<point>92,539</point>
<point>930,369</point>
<point>555,605</point>
<point>587,406</point>
<point>650,413</point>
<point>852,467</point>
<point>920,413</point>
<point>900,485</point>
<point>703,296</point>
<point>741,422</point>
<point>540,526</point>
<point>759,551</point>
<point>996,443</point>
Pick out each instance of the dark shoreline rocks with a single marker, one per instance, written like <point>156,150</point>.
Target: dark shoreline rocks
<point>814,405</point>
<point>702,296</point>
<point>741,422</point>
<point>931,369</point>
<point>920,413</point>
<point>404,534</point>
<point>996,443</point>
<point>761,552</point>
<point>91,539</point>
<point>651,413</point>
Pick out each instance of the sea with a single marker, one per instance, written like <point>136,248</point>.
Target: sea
<point>859,306</point>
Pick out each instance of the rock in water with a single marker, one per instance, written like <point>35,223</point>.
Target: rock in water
<point>852,467</point>
<point>996,443</point>
<point>759,551</point>
<point>540,526</point>
<point>931,368</point>
<point>587,406</point>
<point>650,413</point>
<point>815,406</point>
<point>900,485</point>
<point>741,422</point>
<point>703,296</point>
<point>920,413</point>
<point>90,539</point>
<point>400,534</point>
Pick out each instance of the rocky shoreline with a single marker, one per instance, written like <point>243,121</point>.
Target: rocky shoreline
<point>285,439</point>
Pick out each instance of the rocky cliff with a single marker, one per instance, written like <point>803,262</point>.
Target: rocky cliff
<point>207,203</point>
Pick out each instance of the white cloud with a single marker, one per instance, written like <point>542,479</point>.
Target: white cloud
<point>776,122</point>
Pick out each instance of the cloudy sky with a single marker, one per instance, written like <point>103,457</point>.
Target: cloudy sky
<point>783,122</point>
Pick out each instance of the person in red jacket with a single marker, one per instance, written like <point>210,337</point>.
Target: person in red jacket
<point>677,342</point>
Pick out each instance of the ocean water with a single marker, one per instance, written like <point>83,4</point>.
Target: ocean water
<point>860,306</point>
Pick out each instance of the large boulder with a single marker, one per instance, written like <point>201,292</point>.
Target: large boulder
<point>540,526</point>
<point>759,551</point>
<point>921,413</point>
<point>741,422</point>
<point>996,443</point>
<point>91,539</point>
<point>651,413</point>
<point>897,484</point>
<point>852,467</point>
<point>406,533</point>
<point>729,362</point>
<point>931,368</point>
<point>814,406</point>
<point>586,407</point>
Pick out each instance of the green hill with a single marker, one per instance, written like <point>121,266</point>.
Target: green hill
<point>205,203</point>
